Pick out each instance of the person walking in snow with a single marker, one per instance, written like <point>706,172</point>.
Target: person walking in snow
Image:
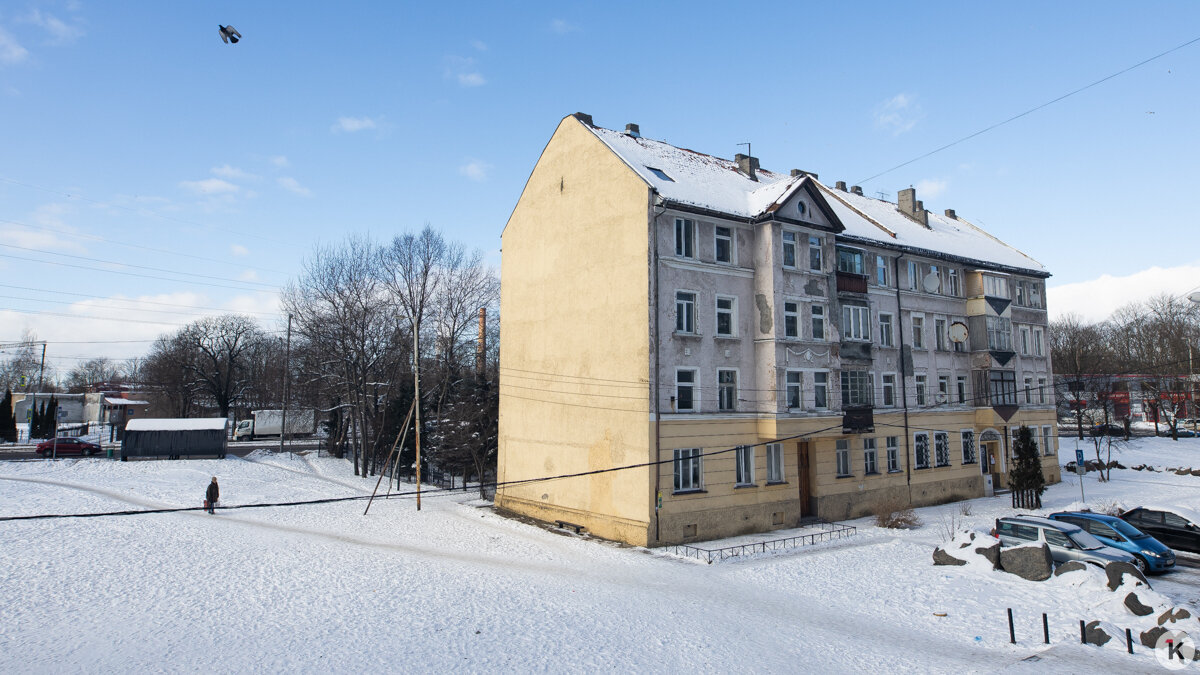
<point>213,494</point>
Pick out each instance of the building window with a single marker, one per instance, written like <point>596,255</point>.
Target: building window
<point>814,254</point>
<point>792,388</point>
<point>1029,390</point>
<point>968,446</point>
<point>726,316</point>
<point>1035,294</point>
<point>885,330</point>
<point>1042,390</point>
<point>1024,340</point>
<point>1002,386</point>
<point>999,332</point>
<point>1021,298</point>
<point>920,380</point>
<point>914,275</point>
<point>687,470</point>
<point>953,285</point>
<point>726,390</point>
<point>941,448</point>
<point>685,312</point>
<point>870,457</point>
<point>850,260</point>
<point>961,383</point>
<point>745,464</point>
<point>893,453</point>
<point>856,323</point>
<point>921,450</point>
<point>1048,440</point>
<point>1037,342</point>
<point>843,458</point>
<point>723,244</point>
<point>791,319</point>
<point>889,390</point>
<point>685,390</point>
<point>857,388</point>
<point>774,463</point>
<point>818,322</point>
<point>935,273</point>
<point>820,390</point>
<point>939,334</point>
<point>685,238</point>
<point>943,388</point>
<point>789,249</point>
<point>918,332</point>
<point>997,287</point>
<point>883,273</point>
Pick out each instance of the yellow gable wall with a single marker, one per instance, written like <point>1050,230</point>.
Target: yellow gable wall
<point>574,340</point>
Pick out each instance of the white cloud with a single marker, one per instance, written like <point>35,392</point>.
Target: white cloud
<point>462,69</point>
<point>248,275</point>
<point>898,114</point>
<point>232,173</point>
<point>238,250</point>
<point>479,45</point>
<point>352,124</point>
<point>930,188</point>
<point>41,239</point>
<point>279,161</point>
<point>10,50</point>
<point>1095,300</point>
<point>475,169</point>
<point>209,186</point>
<point>471,80</point>
<point>60,31</point>
<point>562,26</point>
<point>292,185</point>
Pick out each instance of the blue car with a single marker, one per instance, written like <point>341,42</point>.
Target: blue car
<point>1149,554</point>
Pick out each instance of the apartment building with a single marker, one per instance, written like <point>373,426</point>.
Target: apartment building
<point>710,348</point>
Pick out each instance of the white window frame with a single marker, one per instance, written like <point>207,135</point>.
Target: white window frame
<point>941,341</point>
<point>816,314</point>
<point>892,444</point>
<point>921,440</point>
<point>856,323</point>
<point>995,286</point>
<point>888,387</point>
<point>870,457</point>
<point>693,460</point>
<point>865,389</point>
<point>970,453</point>
<point>685,312</point>
<point>788,249</point>
<point>953,285</point>
<point>743,457</point>
<point>693,386</point>
<point>1024,340</point>
<point>796,387</point>
<point>1041,390</point>
<point>917,325</point>
<point>887,336</point>
<point>1048,448</point>
<point>914,275</point>
<point>792,316</point>
<point>774,463</point>
<point>730,237</point>
<point>1028,390</point>
<point>883,272</point>
<point>733,315</point>
<point>822,388</point>
<point>816,246</point>
<point>999,332</point>
<point>842,455</point>
<point>1038,343</point>
<point>960,384</point>
<point>921,388</point>
<point>685,238</point>
<point>727,390</point>
<point>944,387</point>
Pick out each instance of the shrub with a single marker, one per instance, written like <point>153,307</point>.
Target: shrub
<point>894,513</point>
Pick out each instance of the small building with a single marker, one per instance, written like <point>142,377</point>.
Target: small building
<point>175,438</point>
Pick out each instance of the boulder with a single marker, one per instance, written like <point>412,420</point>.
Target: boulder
<point>1178,614</point>
<point>1134,604</point>
<point>992,553</point>
<point>1183,472</point>
<point>940,557</point>
<point>1150,637</point>
<point>1095,635</point>
<point>1070,566</point>
<point>1117,570</point>
<point>1028,562</point>
<point>1069,467</point>
<point>1195,472</point>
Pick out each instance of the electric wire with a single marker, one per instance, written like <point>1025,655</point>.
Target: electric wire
<point>139,267</point>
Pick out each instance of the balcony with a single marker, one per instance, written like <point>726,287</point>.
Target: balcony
<point>848,282</point>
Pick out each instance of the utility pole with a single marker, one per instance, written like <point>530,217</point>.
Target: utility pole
<point>287,358</point>
<point>42,368</point>
<point>417,403</point>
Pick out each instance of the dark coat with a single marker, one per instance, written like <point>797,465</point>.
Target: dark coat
<point>213,494</point>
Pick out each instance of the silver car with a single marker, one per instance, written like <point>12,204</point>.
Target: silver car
<point>1066,541</point>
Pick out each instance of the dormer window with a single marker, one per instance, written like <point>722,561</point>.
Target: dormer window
<point>661,174</point>
<point>801,208</point>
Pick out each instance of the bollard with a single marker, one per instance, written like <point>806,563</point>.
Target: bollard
<point>1012,636</point>
<point>1045,628</point>
<point>1129,640</point>
<point>1082,633</point>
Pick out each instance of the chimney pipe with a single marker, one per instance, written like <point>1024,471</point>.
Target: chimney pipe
<point>950,214</point>
<point>841,185</point>
<point>747,164</point>
<point>481,347</point>
<point>633,130</point>
<point>856,190</point>
<point>908,204</point>
<point>802,172</point>
<point>585,118</point>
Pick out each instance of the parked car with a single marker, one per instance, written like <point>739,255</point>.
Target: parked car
<point>67,446</point>
<point>1182,433</point>
<point>1175,527</point>
<point>1108,430</point>
<point>1067,542</point>
<point>1150,555</point>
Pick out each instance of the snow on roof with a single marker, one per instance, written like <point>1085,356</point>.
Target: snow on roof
<point>693,178</point>
<point>183,424</point>
<point>123,401</point>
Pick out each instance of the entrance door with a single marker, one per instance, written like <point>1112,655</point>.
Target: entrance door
<point>804,478</point>
<point>992,462</point>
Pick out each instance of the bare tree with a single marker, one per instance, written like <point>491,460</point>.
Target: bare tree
<point>90,373</point>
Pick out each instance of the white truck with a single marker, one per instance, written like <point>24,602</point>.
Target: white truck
<point>270,423</point>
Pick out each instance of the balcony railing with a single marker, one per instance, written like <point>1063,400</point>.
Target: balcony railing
<point>848,282</point>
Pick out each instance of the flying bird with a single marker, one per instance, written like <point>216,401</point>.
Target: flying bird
<point>229,34</point>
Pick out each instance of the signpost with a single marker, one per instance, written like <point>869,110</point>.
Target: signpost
<point>1080,468</point>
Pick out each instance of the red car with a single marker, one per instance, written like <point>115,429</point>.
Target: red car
<point>67,446</point>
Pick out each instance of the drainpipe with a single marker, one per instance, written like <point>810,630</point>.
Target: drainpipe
<point>903,381</point>
<point>655,388</point>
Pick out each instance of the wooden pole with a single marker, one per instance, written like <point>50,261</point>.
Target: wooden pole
<point>417,403</point>
<point>287,356</point>
<point>403,430</point>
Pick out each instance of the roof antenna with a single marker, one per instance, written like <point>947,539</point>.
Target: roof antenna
<point>747,144</point>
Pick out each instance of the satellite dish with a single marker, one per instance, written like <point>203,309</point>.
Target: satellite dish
<point>1195,297</point>
<point>932,282</point>
<point>958,332</point>
<point>940,398</point>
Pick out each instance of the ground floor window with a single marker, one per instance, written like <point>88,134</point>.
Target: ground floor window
<point>774,462</point>
<point>893,453</point>
<point>870,456</point>
<point>745,465</point>
<point>941,448</point>
<point>687,469</point>
<point>921,450</point>
<point>968,446</point>
<point>843,458</point>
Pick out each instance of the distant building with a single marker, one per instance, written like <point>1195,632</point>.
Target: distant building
<point>98,408</point>
<point>759,347</point>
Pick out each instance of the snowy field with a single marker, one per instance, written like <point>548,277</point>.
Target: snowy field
<point>456,587</point>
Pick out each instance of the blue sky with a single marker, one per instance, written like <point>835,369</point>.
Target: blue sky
<point>132,125</point>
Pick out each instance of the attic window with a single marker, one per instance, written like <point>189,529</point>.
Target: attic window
<point>801,207</point>
<point>660,174</point>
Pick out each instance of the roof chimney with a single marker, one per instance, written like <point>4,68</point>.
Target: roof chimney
<point>802,172</point>
<point>908,204</point>
<point>950,214</point>
<point>747,165</point>
<point>585,118</point>
<point>633,130</point>
<point>841,185</point>
<point>856,190</point>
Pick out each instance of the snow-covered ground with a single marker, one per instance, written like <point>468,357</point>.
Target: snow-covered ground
<point>458,587</point>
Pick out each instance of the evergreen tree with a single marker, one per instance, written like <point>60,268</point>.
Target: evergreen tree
<point>8,422</point>
<point>36,425</point>
<point>51,419</point>
<point>1025,478</point>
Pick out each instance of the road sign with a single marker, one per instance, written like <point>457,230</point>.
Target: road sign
<point>1078,456</point>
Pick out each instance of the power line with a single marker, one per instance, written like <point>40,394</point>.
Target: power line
<point>139,267</point>
<point>1031,110</point>
<point>135,274</point>
<point>142,302</point>
<point>132,309</point>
